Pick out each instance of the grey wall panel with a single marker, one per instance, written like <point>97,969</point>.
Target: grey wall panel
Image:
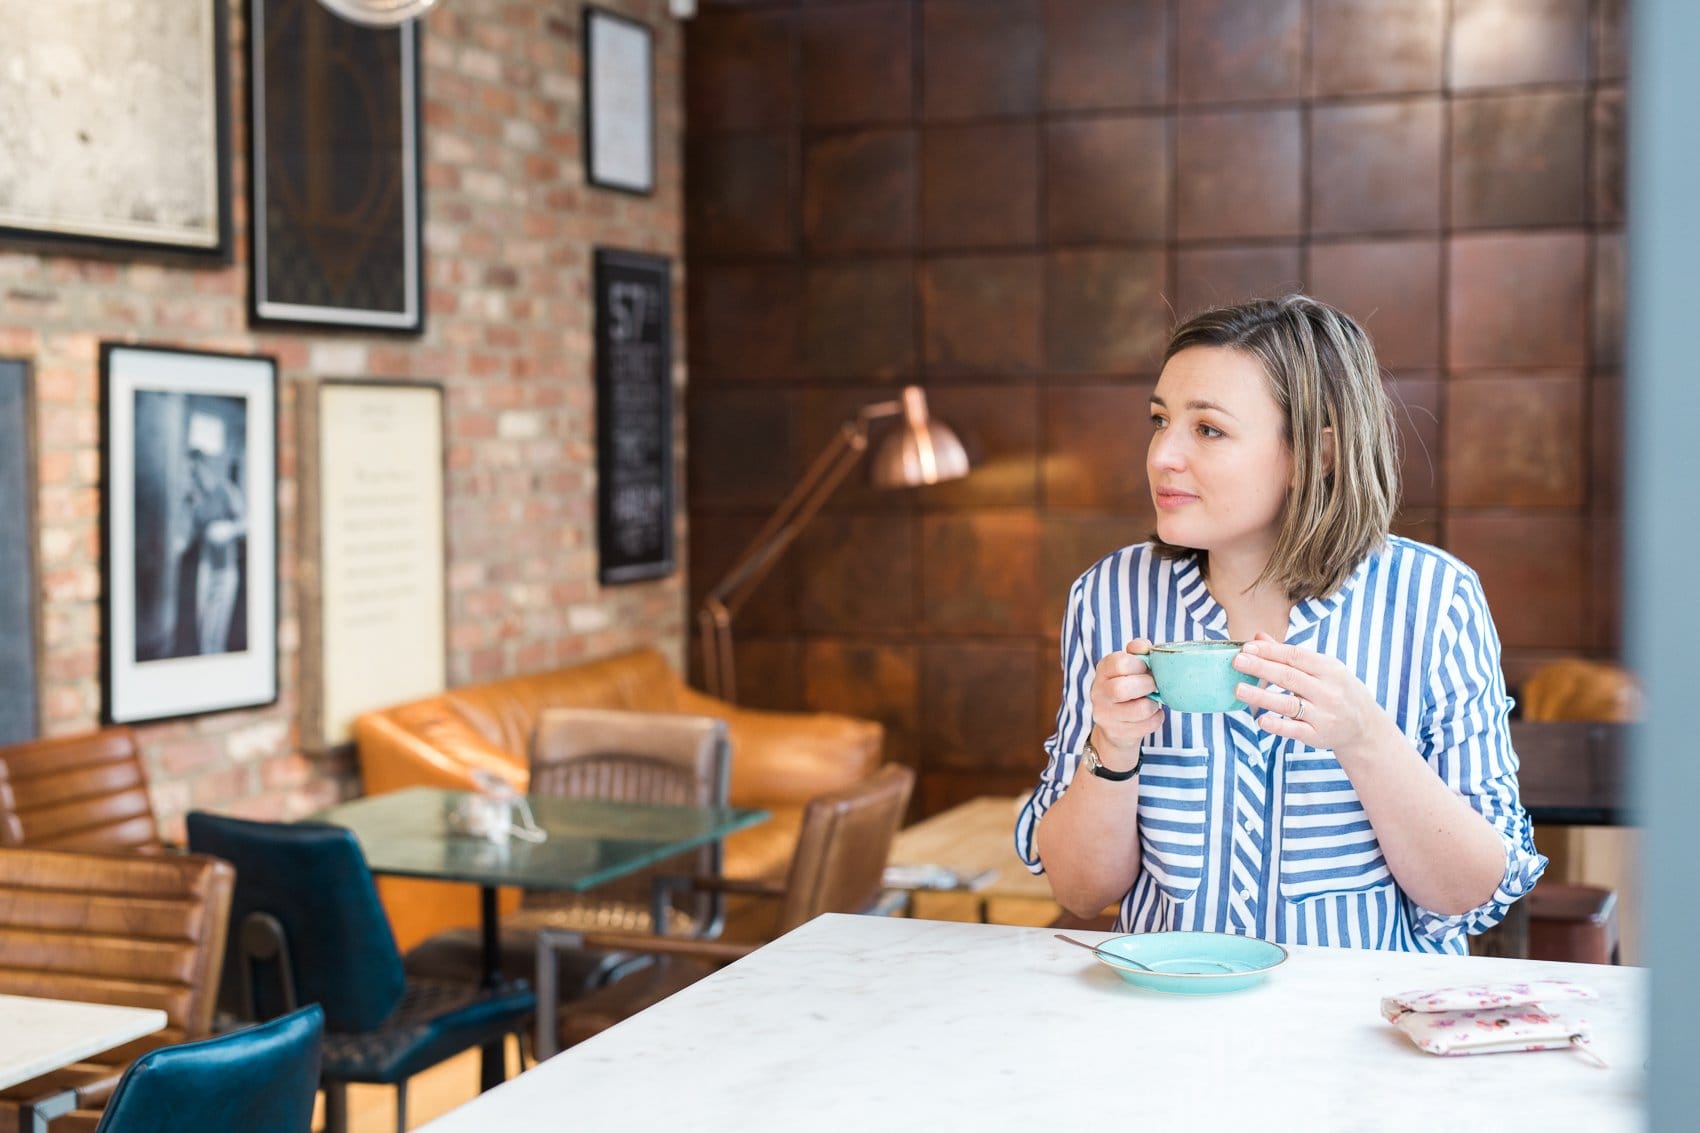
<point>17,558</point>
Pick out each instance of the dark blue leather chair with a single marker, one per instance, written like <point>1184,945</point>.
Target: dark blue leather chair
<point>261,1079</point>
<point>306,927</point>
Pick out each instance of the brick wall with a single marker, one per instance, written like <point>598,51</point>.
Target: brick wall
<point>1010,200</point>
<point>509,230</point>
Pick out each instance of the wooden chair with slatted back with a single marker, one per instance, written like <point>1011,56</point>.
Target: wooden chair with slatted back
<point>82,792</point>
<point>1572,921</point>
<point>136,930</point>
<point>837,868</point>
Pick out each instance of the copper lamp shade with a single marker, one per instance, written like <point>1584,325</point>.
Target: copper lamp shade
<point>922,451</point>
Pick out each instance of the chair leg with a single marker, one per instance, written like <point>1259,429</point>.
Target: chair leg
<point>401,1106</point>
<point>336,1107</point>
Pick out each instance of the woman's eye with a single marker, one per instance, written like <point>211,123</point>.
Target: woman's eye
<point>1209,431</point>
<point>1158,420</point>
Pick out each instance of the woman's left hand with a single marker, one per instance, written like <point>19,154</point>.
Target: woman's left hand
<point>1325,704</point>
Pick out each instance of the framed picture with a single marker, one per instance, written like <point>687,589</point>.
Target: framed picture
<point>373,578</point>
<point>188,532</point>
<point>19,630</point>
<point>114,130</point>
<point>335,155</point>
<point>619,102</point>
<point>634,416</point>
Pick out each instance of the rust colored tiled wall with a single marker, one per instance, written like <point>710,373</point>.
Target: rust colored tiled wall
<point>1009,201</point>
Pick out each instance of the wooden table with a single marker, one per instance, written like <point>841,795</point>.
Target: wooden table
<point>38,1036</point>
<point>897,1024</point>
<point>974,839</point>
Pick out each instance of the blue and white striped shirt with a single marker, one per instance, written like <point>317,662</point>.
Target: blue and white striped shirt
<point>1246,832</point>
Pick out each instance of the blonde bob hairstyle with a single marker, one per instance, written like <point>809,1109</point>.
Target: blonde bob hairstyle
<point>1323,374</point>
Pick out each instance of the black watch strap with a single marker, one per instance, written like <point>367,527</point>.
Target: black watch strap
<point>1096,765</point>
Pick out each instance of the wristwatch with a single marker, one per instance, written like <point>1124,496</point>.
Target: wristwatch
<point>1095,765</point>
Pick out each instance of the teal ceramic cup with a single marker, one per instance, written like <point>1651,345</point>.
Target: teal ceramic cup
<point>1197,676</point>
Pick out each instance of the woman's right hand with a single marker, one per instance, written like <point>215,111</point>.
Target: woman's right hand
<point>1123,713</point>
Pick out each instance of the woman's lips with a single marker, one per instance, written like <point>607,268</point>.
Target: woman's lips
<point>1168,499</point>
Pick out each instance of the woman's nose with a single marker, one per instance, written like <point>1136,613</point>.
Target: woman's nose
<point>1165,452</point>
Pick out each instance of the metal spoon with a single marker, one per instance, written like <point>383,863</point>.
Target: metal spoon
<point>1122,961</point>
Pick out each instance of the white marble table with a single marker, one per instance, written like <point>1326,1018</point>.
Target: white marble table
<point>863,1023</point>
<point>38,1036</point>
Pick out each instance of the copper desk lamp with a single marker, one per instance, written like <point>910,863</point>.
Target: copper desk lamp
<point>923,451</point>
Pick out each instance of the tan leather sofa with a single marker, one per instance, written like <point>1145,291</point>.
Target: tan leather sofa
<point>780,760</point>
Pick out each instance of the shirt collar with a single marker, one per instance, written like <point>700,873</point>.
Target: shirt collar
<point>1213,619</point>
<point>1314,611</point>
<point>1195,598</point>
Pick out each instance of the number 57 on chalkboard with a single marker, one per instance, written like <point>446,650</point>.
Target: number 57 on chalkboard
<point>634,416</point>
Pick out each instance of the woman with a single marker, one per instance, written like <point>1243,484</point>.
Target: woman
<point>1367,795</point>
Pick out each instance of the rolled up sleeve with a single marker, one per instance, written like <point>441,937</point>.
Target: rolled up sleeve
<point>1074,724</point>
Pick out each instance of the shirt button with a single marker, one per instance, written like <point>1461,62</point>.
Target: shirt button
<point>1245,894</point>
<point>1246,822</point>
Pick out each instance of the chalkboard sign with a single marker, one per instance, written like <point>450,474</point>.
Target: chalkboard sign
<point>634,416</point>
<point>17,558</point>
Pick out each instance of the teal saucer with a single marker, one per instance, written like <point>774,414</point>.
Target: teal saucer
<point>1192,963</point>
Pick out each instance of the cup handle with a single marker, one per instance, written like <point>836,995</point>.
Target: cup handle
<point>1152,695</point>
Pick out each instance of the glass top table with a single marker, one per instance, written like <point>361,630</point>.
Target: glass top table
<point>588,842</point>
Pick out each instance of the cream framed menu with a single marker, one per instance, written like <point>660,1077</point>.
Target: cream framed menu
<point>373,578</point>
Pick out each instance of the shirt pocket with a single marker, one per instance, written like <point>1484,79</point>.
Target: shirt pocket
<point>1173,804</point>
<point>1327,846</point>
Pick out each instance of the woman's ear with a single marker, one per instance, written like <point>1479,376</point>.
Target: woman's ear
<point>1328,450</point>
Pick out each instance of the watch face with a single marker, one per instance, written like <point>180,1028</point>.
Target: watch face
<point>1095,765</point>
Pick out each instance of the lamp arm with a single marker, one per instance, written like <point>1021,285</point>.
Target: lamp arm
<point>781,529</point>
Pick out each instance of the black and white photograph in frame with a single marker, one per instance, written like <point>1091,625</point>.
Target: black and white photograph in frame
<point>114,123</point>
<point>336,199</point>
<point>188,532</point>
<point>619,102</point>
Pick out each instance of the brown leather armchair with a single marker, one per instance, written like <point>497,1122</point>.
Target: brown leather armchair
<point>780,760</point>
<point>1574,688</point>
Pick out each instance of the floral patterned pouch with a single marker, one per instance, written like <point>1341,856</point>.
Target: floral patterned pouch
<point>1491,1018</point>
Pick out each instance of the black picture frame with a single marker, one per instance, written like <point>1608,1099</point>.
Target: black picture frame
<point>336,194</point>
<point>188,529</point>
<point>619,102</point>
<point>20,615</point>
<point>92,179</point>
<point>634,416</point>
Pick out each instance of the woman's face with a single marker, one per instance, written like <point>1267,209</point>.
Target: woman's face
<point>1219,464</point>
